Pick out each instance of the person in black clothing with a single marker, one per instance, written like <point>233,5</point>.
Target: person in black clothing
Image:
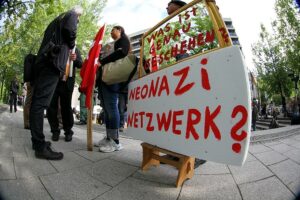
<point>59,39</point>
<point>109,93</point>
<point>64,91</point>
<point>13,94</point>
<point>174,5</point>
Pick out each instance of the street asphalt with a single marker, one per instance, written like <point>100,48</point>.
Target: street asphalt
<point>271,171</point>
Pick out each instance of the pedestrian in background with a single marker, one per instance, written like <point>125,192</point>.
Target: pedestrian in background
<point>122,106</point>
<point>173,6</point>
<point>13,94</point>
<point>83,110</point>
<point>254,114</point>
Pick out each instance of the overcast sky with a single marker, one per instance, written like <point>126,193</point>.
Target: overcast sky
<point>136,15</point>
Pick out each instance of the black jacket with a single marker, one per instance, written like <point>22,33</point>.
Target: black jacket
<point>121,49</point>
<point>60,32</point>
<point>14,87</point>
<point>78,62</point>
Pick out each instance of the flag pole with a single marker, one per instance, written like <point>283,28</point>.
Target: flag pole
<point>89,130</point>
<point>88,74</point>
<point>90,121</point>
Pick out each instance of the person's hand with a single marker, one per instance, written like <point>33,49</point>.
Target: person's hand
<point>73,56</point>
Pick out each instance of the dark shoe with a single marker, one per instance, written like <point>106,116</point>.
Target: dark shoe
<point>81,123</point>
<point>199,162</point>
<point>48,154</point>
<point>68,138</point>
<point>47,144</point>
<point>68,135</point>
<point>55,137</point>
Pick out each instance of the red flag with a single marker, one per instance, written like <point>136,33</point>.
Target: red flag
<point>90,66</point>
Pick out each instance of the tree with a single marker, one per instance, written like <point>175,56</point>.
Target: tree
<point>22,34</point>
<point>289,29</point>
<point>271,65</point>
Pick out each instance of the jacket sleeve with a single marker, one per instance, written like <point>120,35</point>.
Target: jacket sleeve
<point>78,61</point>
<point>121,50</point>
<point>69,28</point>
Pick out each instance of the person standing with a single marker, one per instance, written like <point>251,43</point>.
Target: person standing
<point>254,115</point>
<point>61,103</point>
<point>13,94</point>
<point>110,93</point>
<point>59,39</point>
<point>27,103</point>
<point>174,5</point>
<point>83,110</point>
<point>122,106</point>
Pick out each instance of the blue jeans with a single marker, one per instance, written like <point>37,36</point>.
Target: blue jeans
<point>111,111</point>
<point>122,105</point>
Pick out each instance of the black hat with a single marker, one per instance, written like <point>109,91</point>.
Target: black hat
<point>178,2</point>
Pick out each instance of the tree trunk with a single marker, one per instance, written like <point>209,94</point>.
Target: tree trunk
<point>283,102</point>
<point>2,85</point>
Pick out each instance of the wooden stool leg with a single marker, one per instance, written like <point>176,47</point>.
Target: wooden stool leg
<point>148,161</point>
<point>186,171</point>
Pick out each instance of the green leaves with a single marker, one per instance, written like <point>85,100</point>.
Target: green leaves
<point>278,53</point>
<point>24,25</point>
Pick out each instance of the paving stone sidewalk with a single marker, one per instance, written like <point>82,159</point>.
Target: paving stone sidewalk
<point>271,171</point>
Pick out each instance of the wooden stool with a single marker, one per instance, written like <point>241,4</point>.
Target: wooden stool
<point>185,164</point>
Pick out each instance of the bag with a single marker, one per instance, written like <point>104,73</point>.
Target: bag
<point>58,55</point>
<point>29,61</point>
<point>120,70</point>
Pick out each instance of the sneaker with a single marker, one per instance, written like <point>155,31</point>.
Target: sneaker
<point>111,146</point>
<point>102,142</point>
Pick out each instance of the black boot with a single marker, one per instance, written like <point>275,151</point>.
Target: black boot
<point>68,136</point>
<point>48,154</point>
<point>55,137</point>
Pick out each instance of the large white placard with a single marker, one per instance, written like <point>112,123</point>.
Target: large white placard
<point>199,107</point>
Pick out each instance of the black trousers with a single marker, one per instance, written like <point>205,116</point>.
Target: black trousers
<point>13,102</point>
<point>63,94</point>
<point>44,87</point>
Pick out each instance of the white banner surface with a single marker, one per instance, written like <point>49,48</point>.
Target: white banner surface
<point>198,107</point>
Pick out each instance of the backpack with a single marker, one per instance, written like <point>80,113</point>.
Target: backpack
<point>29,67</point>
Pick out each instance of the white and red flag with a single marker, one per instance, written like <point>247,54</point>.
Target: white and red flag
<point>90,67</point>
